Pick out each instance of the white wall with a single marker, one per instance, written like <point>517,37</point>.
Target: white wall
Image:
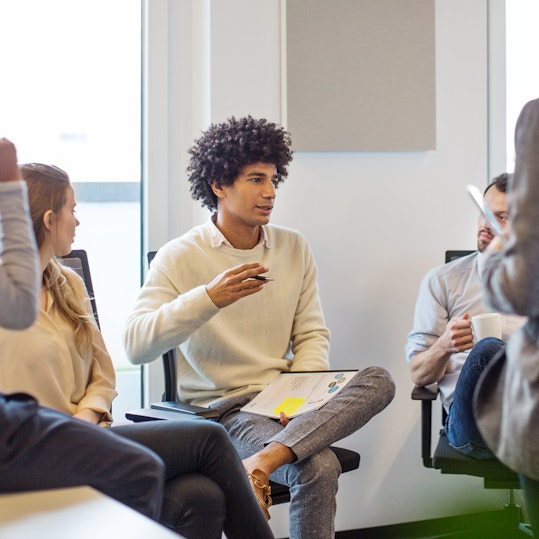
<point>376,221</point>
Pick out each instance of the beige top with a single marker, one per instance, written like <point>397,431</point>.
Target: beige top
<point>44,362</point>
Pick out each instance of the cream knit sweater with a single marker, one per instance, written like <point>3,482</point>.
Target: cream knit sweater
<point>242,347</point>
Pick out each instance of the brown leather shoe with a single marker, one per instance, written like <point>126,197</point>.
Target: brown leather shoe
<point>260,484</point>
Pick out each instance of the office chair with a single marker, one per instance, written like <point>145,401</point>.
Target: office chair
<point>77,260</point>
<point>449,461</point>
<point>348,459</point>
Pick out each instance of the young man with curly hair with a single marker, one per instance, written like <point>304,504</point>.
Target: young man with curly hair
<point>236,332</point>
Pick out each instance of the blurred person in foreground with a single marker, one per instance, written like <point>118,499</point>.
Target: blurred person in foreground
<point>507,398</point>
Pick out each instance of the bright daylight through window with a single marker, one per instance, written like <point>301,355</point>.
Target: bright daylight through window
<point>70,96</point>
<point>522,77</point>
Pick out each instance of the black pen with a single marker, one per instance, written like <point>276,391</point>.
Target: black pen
<point>261,278</point>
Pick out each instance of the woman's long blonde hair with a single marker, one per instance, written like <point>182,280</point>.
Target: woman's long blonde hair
<point>47,187</point>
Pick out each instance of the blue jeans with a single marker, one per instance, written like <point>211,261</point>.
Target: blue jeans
<point>460,426</point>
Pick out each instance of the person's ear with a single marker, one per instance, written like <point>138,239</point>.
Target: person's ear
<point>217,189</point>
<point>49,219</point>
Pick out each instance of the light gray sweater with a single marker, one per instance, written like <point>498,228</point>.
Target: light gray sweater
<point>19,265</point>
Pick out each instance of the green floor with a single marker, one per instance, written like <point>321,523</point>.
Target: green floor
<point>490,525</point>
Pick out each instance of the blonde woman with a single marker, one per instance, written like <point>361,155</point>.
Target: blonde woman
<point>41,448</point>
<point>64,364</point>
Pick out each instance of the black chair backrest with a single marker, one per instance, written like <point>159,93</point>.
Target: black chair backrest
<point>453,255</point>
<point>169,363</point>
<point>77,260</point>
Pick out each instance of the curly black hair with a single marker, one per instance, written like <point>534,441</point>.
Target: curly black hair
<point>224,149</point>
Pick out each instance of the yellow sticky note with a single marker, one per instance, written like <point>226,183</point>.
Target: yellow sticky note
<point>289,406</point>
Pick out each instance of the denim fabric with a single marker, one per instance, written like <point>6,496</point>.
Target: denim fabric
<point>460,426</point>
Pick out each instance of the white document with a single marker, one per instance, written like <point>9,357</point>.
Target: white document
<point>295,393</point>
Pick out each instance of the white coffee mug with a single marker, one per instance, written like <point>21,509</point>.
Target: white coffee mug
<point>486,325</point>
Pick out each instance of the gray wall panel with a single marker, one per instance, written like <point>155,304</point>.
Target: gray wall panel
<point>361,75</point>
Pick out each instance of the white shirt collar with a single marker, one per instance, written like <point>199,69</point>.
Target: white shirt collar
<point>218,238</point>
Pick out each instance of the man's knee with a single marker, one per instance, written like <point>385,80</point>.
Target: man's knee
<point>214,436</point>
<point>145,459</point>
<point>384,382</point>
<point>323,466</point>
<point>483,352</point>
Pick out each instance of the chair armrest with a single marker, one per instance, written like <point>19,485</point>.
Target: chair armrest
<point>426,395</point>
<point>421,393</point>
<point>169,369</point>
<point>183,408</point>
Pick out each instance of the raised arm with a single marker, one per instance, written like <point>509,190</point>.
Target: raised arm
<point>19,265</point>
<point>163,317</point>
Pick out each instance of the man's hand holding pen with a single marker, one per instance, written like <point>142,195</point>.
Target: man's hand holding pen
<point>236,283</point>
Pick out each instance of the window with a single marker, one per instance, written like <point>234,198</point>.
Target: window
<point>522,77</point>
<point>71,96</point>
